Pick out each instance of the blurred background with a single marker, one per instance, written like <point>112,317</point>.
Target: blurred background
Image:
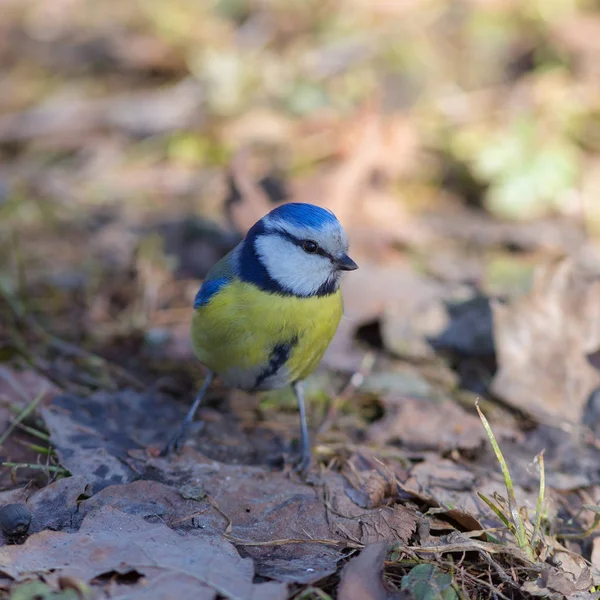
<point>457,141</point>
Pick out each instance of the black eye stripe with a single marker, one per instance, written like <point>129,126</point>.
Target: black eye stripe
<point>297,242</point>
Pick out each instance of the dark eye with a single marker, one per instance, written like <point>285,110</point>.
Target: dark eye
<point>310,246</point>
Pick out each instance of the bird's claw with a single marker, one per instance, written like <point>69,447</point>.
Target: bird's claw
<point>175,443</point>
<point>302,463</point>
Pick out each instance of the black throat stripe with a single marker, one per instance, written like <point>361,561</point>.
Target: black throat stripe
<point>278,357</point>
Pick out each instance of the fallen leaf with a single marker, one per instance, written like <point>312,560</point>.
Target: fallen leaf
<point>52,507</point>
<point>73,440</point>
<point>410,309</point>
<point>98,436</point>
<point>556,584</point>
<point>266,506</point>
<point>362,577</point>
<point>348,519</point>
<point>112,541</point>
<point>543,340</point>
<point>156,502</point>
<point>373,491</point>
<point>257,508</point>
<point>455,488</point>
<point>470,330</point>
<point>426,424</point>
<point>263,506</point>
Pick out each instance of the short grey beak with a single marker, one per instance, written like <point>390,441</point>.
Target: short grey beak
<point>345,263</point>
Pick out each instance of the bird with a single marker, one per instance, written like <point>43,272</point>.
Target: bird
<point>267,311</point>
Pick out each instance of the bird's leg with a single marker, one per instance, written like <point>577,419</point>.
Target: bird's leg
<point>306,455</point>
<point>177,439</point>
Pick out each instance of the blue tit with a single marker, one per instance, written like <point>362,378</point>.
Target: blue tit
<point>267,311</point>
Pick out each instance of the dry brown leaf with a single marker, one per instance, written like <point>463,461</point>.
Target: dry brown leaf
<point>373,481</point>
<point>110,541</point>
<point>455,487</point>
<point>362,577</point>
<point>426,424</point>
<point>265,507</point>
<point>404,301</point>
<point>52,507</point>
<point>373,491</point>
<point>543,341</point>
<point>555,584</point>
<point>364,526</point>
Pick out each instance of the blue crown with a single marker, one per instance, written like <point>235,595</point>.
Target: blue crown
<point>304,215</point>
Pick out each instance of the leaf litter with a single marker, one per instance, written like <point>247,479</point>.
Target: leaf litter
<point>227,501</point>
<point>95,313</point>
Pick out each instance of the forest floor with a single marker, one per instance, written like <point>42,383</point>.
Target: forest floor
<point>455,415</point>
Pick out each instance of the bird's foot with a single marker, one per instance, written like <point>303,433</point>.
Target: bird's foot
<point>302,463</point>
<point>176,441</point>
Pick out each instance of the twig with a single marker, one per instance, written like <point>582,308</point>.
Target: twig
<point>485,584</point>
<point>213,503</point>
<point>284,542</point>
<point>470,546</point>
<point>504,576</point>
<point>540,501</point>
<point>195,514</point>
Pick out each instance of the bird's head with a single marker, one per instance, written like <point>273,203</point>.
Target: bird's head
<point>297,249</point>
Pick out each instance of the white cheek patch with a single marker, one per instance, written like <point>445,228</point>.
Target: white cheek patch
<point>291,267</point>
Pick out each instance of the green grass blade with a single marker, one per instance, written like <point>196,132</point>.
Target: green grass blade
<point>497,512</point>
<point>22,416</point>
<point>519,533</point>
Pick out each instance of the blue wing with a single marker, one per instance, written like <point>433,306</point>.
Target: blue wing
<point>208,290</point>
<point>219,276</point>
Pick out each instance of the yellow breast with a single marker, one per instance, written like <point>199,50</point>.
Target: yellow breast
<point>242,330</point>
